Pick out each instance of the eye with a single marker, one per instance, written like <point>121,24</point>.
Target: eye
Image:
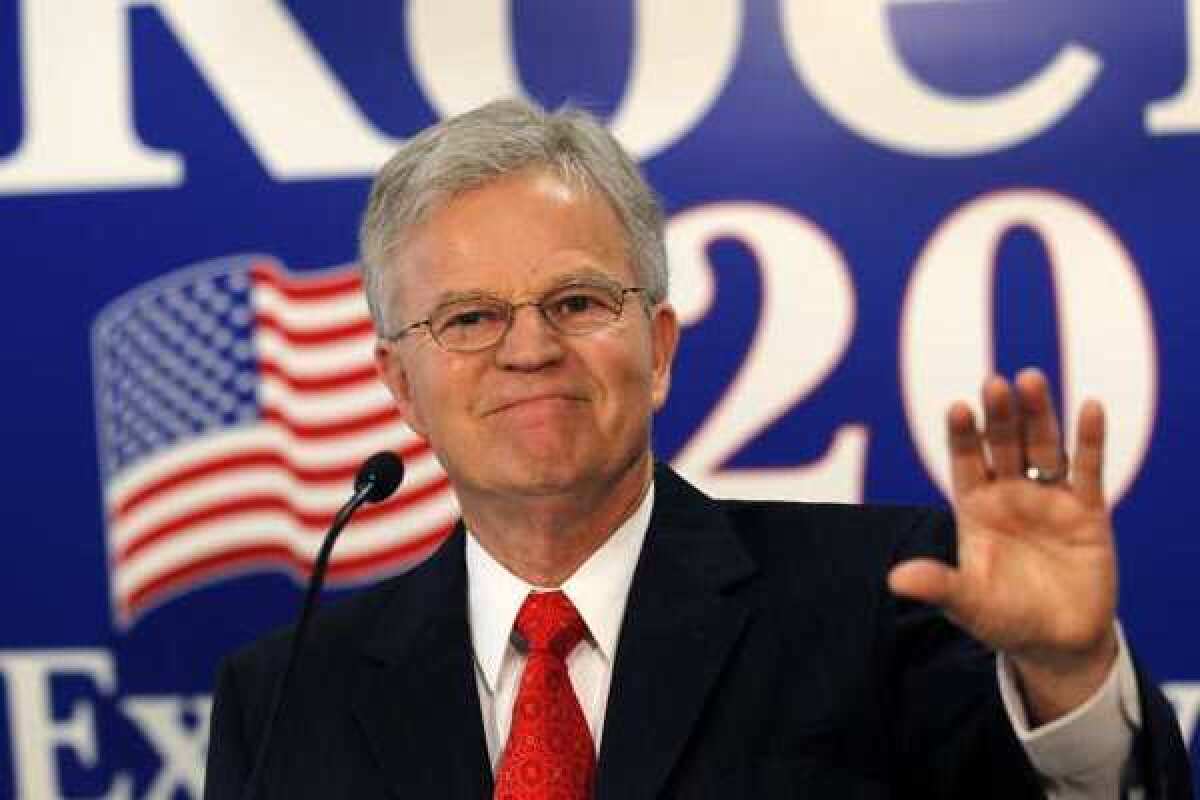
<point>463,318</point>
<point>466,319</point>
<point>577,303</point>
<point>581,301</point>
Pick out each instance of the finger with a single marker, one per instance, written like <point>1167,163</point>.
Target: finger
<point>968,466</point>
<point>1087,471</point>
<point>926,580</point>
<point>1002,428</point>
<point>1041,436</point>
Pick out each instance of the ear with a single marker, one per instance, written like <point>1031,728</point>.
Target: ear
<point>389,364</point>
<point>664,338</point>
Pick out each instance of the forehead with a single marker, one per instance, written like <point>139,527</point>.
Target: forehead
<point>515,235</point>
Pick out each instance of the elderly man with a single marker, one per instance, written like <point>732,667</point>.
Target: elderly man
<point>596,627</point>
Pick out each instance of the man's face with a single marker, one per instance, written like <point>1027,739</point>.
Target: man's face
<point>539,413</point>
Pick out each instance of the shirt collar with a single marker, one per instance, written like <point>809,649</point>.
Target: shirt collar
<point>599,590</point>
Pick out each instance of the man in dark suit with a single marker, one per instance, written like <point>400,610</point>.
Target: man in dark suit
<point>597,627</point>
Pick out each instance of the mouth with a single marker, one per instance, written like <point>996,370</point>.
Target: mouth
<point>548,398</point>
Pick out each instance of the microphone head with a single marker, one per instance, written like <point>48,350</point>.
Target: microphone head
<point>383,472</point>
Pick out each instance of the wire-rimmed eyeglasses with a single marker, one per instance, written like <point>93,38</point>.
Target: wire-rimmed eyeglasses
<point>478,322</point>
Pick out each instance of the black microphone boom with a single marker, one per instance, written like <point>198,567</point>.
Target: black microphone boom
<point>377,478</point>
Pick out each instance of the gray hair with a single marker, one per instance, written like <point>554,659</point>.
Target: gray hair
<point>504,137</point>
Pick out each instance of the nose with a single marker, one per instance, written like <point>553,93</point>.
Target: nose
<point>530,343</point>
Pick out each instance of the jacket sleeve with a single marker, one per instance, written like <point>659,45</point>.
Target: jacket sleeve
<point>956,737</point>
<point>1161,760</point>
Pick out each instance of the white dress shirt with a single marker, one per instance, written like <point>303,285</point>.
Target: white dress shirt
<point>1080,755</point>
<point>598,590</point>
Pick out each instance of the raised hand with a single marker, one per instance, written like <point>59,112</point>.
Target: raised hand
<point>1036,575</point>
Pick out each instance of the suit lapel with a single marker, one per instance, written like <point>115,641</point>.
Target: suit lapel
<point>679,628</point>
<point>417,701</point>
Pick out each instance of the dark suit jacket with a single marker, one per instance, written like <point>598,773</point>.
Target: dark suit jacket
<point>761,656</point>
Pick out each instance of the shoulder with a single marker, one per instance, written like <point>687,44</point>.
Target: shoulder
<point>797,538</point>
<point>335,628</point>
<point>799,525</point>
<point>340,628</point>
<point>887,532</point>
<point>835,555</point>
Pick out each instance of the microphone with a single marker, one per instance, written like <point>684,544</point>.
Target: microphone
<point>379,475</point>
<point>376,479</point>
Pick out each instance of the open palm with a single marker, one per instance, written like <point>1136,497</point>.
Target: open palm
<point>1036,576</point>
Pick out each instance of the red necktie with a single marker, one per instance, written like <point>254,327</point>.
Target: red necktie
<point>549,755</point>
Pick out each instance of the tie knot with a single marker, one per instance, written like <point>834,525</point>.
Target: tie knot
<point>548,621</point>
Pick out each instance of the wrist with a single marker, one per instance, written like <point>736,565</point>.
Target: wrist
<point>1053,685</point>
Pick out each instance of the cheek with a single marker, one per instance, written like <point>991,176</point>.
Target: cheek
<point>441,394</point>
<point>629,390</point>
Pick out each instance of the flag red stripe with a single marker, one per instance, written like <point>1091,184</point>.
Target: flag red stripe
<point>316,336</point>
<point>251,459</point>
<point>252,503</point>
<point>317,383</point>
<point>307,287</point>
<point>273,555</point>
<point>324,430</point>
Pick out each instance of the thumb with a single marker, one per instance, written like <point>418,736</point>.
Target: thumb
<point>926,580</point>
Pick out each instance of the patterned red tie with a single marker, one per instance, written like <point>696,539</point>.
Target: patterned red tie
<point>549,755</point>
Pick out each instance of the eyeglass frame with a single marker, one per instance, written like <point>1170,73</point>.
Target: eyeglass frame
<point>511,316</point>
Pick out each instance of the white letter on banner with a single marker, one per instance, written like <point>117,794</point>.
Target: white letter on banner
<point>1181,113</point>
<point>271,80</point>
<point>1185,698</point>
<point>182,749</point>
<point>1105,328</point>
<point>804,326</point>
<point>462,56</point>
<point>79,120</point>
<point>34,732</point>
<point>78,116</point>
<point>845,53</point>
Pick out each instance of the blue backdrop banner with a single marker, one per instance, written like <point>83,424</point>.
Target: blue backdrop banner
<point>872,205</point>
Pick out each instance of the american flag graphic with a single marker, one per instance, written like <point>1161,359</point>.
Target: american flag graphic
<point>235,401</point>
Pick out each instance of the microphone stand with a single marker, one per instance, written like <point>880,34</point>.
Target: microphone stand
<point>362,494</point>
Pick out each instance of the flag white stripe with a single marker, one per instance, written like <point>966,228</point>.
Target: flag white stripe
<point>316,361</point>
<point>346,580</point>
<point>315,406</point>
<point>305,453</point>
<point>267,528</point>
<point>311,314</point>
<point>234,484</point>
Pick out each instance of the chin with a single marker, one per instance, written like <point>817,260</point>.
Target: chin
<point>544,476</point>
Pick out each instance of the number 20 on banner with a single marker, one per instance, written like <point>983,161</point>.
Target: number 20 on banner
<point>1106,334</point>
